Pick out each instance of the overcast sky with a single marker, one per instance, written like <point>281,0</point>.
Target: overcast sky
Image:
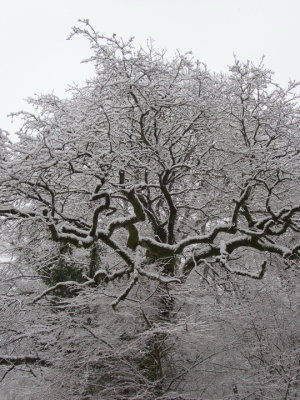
<point>37,58</point>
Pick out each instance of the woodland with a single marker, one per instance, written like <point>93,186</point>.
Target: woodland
<point>150,223</point>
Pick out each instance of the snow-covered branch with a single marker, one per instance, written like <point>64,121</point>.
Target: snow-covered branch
<point>67,284</point>
<point>22,360</point>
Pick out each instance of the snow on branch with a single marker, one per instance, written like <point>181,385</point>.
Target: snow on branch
<point>157,277</point>
<point>103,275</point>
<point>239,203</point>
<point>21,360</point>
<point>209,238</point>
<point>259,275</point>
<point>243,241</point>
<point>126,291</point>
<point>138,215</point>
<point>223,259</point>
<point>61,285</point>
<point>9,211</point>
<point>259,233</point>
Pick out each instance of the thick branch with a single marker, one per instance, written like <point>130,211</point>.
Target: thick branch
<point>233,244</point>
<point>138,215</point>
<point>98,210</point>
<point>172,209</point>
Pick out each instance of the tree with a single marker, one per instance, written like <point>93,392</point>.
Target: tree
<point>167,167</point>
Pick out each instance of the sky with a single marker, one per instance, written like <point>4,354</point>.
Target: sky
<point>35,56</point>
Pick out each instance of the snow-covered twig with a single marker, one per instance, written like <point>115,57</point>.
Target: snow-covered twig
<point>223,259</point>
<point>58,286</point>
<point>157,277</point>
<point>126,291</point>
<point>260,275</point>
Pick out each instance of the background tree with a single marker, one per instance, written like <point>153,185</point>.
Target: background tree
<point>171,170</point>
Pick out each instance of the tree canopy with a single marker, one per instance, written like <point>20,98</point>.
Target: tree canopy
<point>154,169</point>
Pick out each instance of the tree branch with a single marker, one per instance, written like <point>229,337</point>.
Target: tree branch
<point>11,360</point>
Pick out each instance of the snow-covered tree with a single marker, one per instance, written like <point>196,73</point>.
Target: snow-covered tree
<point>154,171</point>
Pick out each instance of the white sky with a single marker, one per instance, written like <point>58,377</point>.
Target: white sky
<point>36,58</point>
